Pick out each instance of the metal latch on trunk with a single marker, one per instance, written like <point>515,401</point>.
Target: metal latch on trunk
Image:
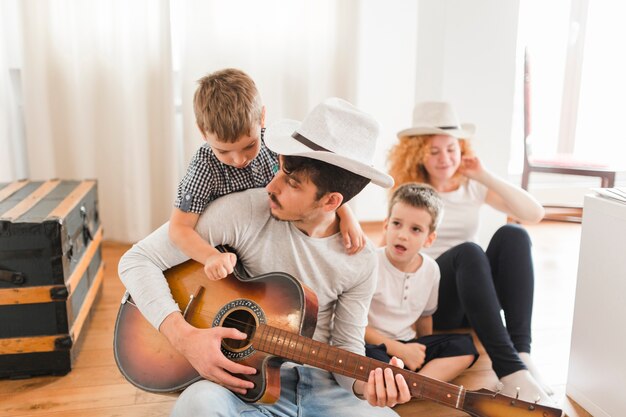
<point>12,277</point>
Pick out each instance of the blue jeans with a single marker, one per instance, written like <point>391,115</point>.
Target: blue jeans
<point>305,392</point>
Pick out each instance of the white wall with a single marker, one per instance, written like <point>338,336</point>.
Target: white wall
<point>466,54</point>
<point>387,41</point>
<point>478,64</point>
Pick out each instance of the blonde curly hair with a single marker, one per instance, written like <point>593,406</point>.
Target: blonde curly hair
<point>406,160</point>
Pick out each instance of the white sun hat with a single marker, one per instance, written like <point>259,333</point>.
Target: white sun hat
<point>437,118</point>
<point>334,132</point>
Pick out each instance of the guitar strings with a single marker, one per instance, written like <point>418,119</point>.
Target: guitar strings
<point>247,326</point>
<point>228,320</point>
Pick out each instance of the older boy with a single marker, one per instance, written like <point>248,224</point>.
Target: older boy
<point>230,116</point>
<point>291,227</point>
<point>400,316</point>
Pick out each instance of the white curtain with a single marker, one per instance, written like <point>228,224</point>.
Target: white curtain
<point>108,94</point>
<point>297,52</point>
<point>7,145</point>
<point>6,151</point>
<point>98,104</point>
<point>103,99</point>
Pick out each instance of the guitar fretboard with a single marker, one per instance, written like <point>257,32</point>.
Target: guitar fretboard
<point>304,350</point>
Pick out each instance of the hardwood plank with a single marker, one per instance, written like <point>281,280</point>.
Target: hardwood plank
<point>102,356</point>
<point>94,376</point>
<point>572,409</point>
<point>144,397</point>
<point>155,409</point>
<point>98,339</point>
<point>67,399</point>
<point>421,408</point>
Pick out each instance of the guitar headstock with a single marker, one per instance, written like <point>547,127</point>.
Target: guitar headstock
<point>486,403</point>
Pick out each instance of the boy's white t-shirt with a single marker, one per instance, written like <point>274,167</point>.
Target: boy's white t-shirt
<point>401,298</point>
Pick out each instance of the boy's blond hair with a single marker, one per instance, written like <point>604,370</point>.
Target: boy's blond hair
<point>227,104</point>
<point>419,196</point>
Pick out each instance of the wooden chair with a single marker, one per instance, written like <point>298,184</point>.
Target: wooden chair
<point>559,164</point>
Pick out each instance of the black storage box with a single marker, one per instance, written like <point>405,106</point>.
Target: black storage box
<point>50,273</point>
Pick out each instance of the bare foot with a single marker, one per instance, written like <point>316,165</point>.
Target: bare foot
<point>529,389</point>
<point>528,361</point>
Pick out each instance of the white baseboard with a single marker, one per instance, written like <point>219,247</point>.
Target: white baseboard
<point>585,402</point>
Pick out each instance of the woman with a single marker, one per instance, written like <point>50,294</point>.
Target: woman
<point>475,284</point>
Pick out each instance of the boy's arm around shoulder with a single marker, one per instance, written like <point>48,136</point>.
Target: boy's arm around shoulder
<point>352,234</point>
<point>141,268</point>
<point>182,232</point>
<point>183,235</point>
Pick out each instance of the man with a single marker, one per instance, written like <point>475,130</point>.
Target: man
<point>324,162</point>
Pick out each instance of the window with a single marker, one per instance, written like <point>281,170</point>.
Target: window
<point>602,102</point>
<point>578,87</point>
<point>543,31</point>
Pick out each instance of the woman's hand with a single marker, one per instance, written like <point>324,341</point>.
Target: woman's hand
<point>471,167</point>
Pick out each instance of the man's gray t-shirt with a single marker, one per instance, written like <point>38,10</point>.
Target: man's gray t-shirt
<point>343,283</point>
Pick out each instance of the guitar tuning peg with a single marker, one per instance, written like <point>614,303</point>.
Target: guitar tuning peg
<point>499,387</point>
<point>537,399</point>
<point>517,389</point>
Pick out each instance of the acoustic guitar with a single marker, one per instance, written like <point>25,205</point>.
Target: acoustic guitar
<point>278,313</point>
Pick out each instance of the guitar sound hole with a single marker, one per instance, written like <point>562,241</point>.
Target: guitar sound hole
<point>245,322</point>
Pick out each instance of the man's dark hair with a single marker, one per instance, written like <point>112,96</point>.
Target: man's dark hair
<point>326,177</point>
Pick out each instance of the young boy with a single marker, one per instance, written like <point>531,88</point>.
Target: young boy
<point>230,116</point>
<point>400,316</point>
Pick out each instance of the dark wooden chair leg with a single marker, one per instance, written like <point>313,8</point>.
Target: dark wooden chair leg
<point>525,175</point>
<point>610,183</point>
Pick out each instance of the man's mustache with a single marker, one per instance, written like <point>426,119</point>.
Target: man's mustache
<point>274,200</point>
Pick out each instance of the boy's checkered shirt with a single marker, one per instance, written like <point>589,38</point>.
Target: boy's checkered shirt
<point>207,178</point>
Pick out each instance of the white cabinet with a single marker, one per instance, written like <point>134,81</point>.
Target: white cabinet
<point>597,366</point>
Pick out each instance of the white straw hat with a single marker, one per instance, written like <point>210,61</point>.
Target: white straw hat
<point>334,132</point>
<point>437,118</point>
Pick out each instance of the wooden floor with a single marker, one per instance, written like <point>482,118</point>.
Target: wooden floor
<point>96,388</point>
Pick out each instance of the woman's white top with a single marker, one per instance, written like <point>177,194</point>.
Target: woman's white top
<point>460,220</point>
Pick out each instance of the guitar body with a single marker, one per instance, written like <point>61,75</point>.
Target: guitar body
<point>148,360</point>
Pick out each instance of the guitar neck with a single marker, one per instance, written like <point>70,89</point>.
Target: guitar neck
<point>307,351</point>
